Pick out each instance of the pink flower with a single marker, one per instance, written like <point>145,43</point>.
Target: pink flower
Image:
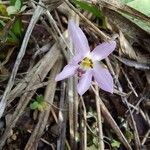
<point>86,62</point>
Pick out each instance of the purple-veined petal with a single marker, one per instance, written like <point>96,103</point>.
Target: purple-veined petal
<point>103,78</point>
<point>103,50</point>
<point>78,38</point>
<point>68,71</point>
<point>84,82</point>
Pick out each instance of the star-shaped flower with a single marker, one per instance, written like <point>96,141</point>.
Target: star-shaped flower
<point>86,62</point>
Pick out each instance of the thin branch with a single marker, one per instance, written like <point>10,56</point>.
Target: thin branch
<point>62,119</point>
<point>83,125</point>
<point>99,120</point>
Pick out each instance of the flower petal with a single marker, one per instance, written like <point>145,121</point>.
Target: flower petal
<point>68,71</point>
<point>78,38</point>
<point>76,59</point>
<point>84,82</point>
<point>103,50</point>
<point>103,78</point>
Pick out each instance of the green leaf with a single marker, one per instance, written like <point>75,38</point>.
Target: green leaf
<point>11,10</point>
<point>126,1</point>
<point>12,2</point>
<point>34,105</point>
<point>18,4</point>
<point>40,108</point>
<point>143,25</point>
<point>89,7</point>
<point>23,8</point>
<point>17,28</point>
<point>142,6</point>
<point>115,144</point>
<point>93,9</point>
<point>40,98</point>
<point>44,105</point>
<point>95,141</point>
<point>129,135</point>
<point>12,38</point>
<point>3,10</point>
<point>39,103</point>
<point>2,24</point>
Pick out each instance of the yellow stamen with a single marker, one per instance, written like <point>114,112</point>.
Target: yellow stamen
<point>86,63</point>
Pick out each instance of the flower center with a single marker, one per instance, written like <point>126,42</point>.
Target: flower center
<point>86,63</point>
